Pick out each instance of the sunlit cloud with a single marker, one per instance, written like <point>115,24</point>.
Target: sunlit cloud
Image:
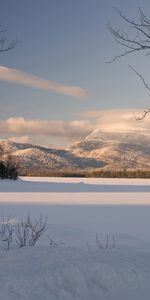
<point>117,119</point>
<point>62,133</point>
<point>22,78</point>
<point>26,127</point>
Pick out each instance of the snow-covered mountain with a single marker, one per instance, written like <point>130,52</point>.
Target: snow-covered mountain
<point>100,149</point>
<point>116,149</point>
<point>32,157</point>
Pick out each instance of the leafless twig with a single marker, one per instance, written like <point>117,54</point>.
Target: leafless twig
<point>6,231</point>
<point>5,44</point>
<point>22,231</point>
<point>37,227</point>
<point>140,118</point>
<point>109,244</point>
<point>141,39</point>
<point>28,232</point>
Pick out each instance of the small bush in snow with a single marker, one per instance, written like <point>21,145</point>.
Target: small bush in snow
<point>108,244</point>
<point>28,232</point>
<point>6,231</point>
<point>24,233</point>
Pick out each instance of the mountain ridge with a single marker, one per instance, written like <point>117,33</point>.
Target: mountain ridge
<point>99,150</point>
<point>33,157</point>
<point>129,149</point>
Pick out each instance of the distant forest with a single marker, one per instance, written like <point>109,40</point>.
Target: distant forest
<point>91,173</point>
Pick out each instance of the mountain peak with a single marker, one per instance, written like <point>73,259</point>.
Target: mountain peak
<point>128,149</point>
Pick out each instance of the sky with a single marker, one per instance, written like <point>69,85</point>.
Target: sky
<point>55,85</point>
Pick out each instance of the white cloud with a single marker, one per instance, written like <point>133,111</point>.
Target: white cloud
<point>117,119</point>
<point>22,78</point>
<point>26,127</point>
<point>61,133</point>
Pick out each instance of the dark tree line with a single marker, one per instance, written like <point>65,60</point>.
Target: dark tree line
<point>8,171</point>
<point>8,166</point>
<point>91,173</point>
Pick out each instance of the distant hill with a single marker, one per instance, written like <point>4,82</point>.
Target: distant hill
<point>99,150</point>
<point>36,158</point>
<point>116,149</point>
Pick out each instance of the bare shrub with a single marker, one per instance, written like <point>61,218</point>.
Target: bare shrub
<point>22,230</point>
<point>28,232</point>
<point>108,244</point>
<point>37,228</point>
<point>6,231</point>
<point>53,243</point>
<point>99,243</point>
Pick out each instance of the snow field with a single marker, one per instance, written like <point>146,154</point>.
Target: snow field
<point>75,269</point>
<point>71,274</point>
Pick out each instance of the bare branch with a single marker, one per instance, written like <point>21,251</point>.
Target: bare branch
<point>132,44</point>
<point>38,227</point>
<point>28,232</point>
<point>141,42</point>
<point>22,230</point>
<point>146,111</point>
<point>99,244</point>
<point>141,77</point>
<point>6,231</point>
<point>5,44</point>
<point>107,245</point>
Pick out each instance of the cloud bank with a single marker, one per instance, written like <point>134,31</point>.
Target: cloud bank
<point>25,127</point>
<point>117,119</point>
<point>60,133</point>
<point>22,78</point>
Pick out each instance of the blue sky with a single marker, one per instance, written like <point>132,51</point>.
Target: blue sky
<point>67,42</point>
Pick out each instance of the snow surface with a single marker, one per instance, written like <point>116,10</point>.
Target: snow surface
<point>75,269</point>
<point>74,185</point>
<point>73,274</point>
<point>75,191</point>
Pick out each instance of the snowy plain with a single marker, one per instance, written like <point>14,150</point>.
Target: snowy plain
<point>75,268</point>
